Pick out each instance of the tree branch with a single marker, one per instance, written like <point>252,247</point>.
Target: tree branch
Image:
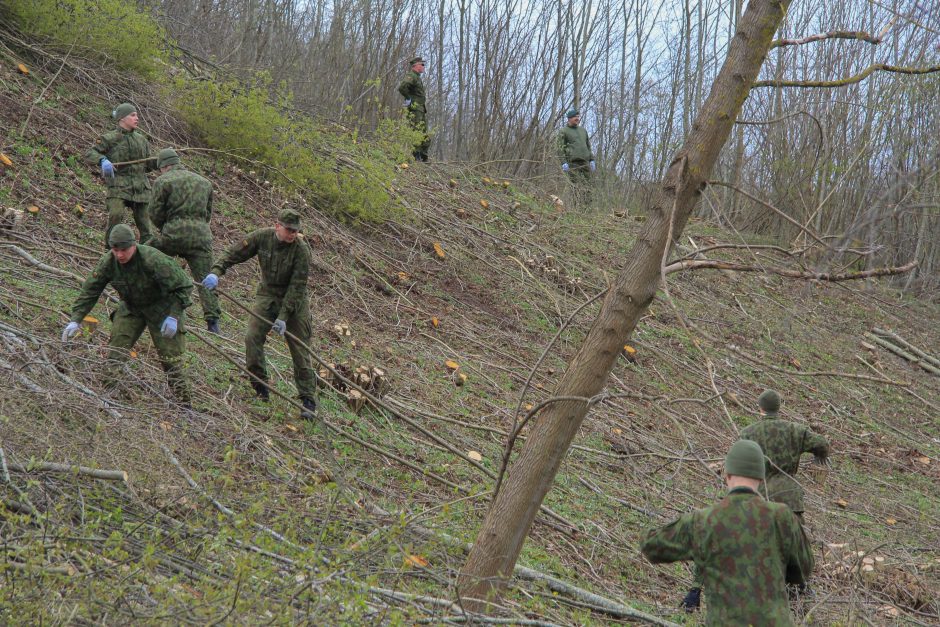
<point>699,264</point>
<point>855,78</point>
<point>835,34</point>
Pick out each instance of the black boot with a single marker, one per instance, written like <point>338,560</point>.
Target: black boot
<point>692,601</point>
<point>261,390</point>
<point>309,412</point>
<point>213,325</point>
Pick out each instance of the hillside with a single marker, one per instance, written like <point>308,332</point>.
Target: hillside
<point>237,512</point>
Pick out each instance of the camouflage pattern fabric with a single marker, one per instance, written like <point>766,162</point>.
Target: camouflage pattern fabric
<point>746,549</point>
<point>117,206</point>
<point>152,286</point>
<point>181,208</point>
<point>412,88</point>
<point>783,442</point>
<point>574,146</point>
<point>130,182</point>
<point>281,295</point>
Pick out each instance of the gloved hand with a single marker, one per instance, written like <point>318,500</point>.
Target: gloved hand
<point>71,330</point>
<point>564,167</point>
<point>407,102</point>
<point>279,326</point>
<point>168,328</point>
<point>593,165</point>
<point>107,169</point>
<point>211,281</point>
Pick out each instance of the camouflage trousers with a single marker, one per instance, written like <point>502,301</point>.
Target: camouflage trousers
<point>116,207</point>
<point>581,177</point>
<point>419,123</point>
<point>126,329</point>
<point>199,260</point>
<point>267,307</point>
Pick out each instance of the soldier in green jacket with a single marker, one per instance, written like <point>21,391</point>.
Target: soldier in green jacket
<point>127,184</point>
<point>284,258</point>
<point>154,293</point>
<point>784,442</point>
<point>181,207</point>
<point>746,549</point>
<point>412,90</point>
<point>574,149</point>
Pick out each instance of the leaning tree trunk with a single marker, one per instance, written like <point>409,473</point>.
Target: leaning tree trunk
<point>507,523</point>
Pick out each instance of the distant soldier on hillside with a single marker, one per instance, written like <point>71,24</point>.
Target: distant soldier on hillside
<point>412,90</point>
<point>784,442</point>
<point>746,549</point>
<point>127,184</point>
<point>284,258</point>
<point>154,293</point>
<point>574,150</point>
<point>181,207</point>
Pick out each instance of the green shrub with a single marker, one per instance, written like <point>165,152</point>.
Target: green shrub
<point>115,30</point>
<point>336,169</point>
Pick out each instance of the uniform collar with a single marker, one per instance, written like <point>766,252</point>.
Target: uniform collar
<point>742,490</point>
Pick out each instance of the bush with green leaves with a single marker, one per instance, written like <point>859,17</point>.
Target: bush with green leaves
<point>345,175</point>
<point>113,30</point>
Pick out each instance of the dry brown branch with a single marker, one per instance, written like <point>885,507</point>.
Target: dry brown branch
<point>699,264</point>
<point>860,35</point>
<point>109,475</point>
<point>855,78</point>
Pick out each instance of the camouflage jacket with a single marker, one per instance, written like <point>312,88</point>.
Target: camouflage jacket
<point>181,207</point>
<point>412,88</point>
<point>130,181</point>
<point>783,442</point>
<point>284,268</point>
<point>746,550</point>
<point>151,285</point>
<point>574,145</point>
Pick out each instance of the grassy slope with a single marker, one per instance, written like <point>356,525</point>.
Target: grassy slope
<point>158,551</point>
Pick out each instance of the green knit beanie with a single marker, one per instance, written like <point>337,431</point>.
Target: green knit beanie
<point>769,401</point>
<point>123,110</point>
<point>121,236</point>
<point>745,459</point>
<point>167,156</point>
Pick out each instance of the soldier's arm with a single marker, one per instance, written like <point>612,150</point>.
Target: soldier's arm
<point>815,444</point>
<point>238,253</point>
<point>209,207</point>
<point>100,150</point>
<point>587,140</point>
<point>562,147</point>
<point>92,288</point>
<point>672,543</point>
<point>798,553</point>
<point>294,296</point>
<point>406,87</point>
<point>176,284</point>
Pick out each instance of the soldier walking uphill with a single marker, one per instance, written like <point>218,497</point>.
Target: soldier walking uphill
<point>282,297</point>
<point>154,293</point>
<point>181,207</point>
<point>127,184</point>
<point>574,150</point>
<point>747,549</point>
<point>412,90</point>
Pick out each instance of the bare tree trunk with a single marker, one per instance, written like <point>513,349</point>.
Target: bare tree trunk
<point>513,510</point>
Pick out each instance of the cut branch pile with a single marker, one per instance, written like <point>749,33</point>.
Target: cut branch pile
<point>902,348</point>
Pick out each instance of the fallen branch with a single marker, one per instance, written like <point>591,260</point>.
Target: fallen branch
<point>699,264</point>
<point>905,344</point>
<point>109,475</point>
<point>42,266</point>
<point>900,352</point>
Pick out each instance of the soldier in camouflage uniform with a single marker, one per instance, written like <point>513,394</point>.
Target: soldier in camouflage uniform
<point>154,293</point>
<point>181,207</point>
<point>412,90</point>
<point>784,442</point>
<point>284,258</point>
<point>127,184</point>
<point>747,549</point>
<point>574,150</point>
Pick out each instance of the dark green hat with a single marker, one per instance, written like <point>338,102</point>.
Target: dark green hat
<point>121,236</point>
<point>769,401</point>
<point>289,218</point>
<point>745,459</point>
<point>123,110</point>
<point>167,156</point>
<point>573,111</point>
<point>416,60</point>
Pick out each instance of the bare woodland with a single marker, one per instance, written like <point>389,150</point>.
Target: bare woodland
<point>839,133</point>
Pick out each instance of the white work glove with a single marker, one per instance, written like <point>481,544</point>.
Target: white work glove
<point>279,327</point>
<point>71,330</point>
